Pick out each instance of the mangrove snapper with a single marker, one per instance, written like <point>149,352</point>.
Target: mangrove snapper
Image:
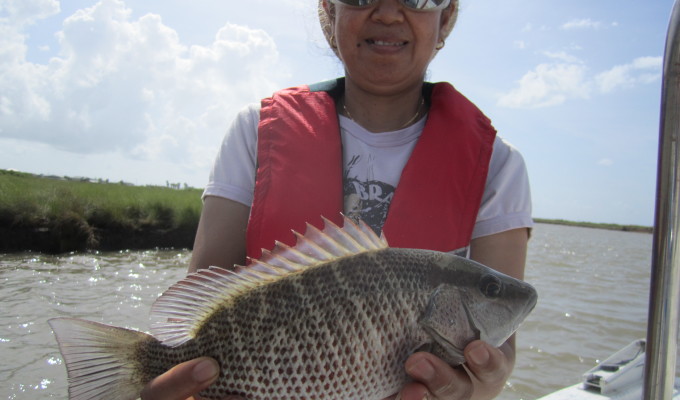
<point>334,317</point>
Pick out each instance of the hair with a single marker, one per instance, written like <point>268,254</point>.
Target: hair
<point>326,27</point>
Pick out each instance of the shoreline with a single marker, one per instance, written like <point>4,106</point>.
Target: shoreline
<point>57,215</point>
<point>596,225</point>
<point>54,241</point>
<point>47,240</point>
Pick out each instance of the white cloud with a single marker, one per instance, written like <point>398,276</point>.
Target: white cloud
<point>130,85</point>
<point>605,162</point>
<point>563,56</point>
<point>641,70</point>
<point>551,84</point>
<point>584,23</point>
<point>548,85</point>
<point>22,12</point>
<point>15,16</point>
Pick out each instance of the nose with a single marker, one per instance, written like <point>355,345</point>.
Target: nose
<point>388,12</point>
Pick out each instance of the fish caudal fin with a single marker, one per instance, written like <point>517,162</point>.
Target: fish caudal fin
<point>100,359</point>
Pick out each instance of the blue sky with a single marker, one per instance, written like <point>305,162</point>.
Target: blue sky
<point>142,91</point>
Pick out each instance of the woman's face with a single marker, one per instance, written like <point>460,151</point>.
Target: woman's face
<point>386,48</point>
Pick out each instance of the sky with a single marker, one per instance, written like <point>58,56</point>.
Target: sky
<point>143,91</point>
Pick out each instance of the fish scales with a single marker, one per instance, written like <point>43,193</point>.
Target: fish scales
<point>347,318</point>
<point>339,328</point>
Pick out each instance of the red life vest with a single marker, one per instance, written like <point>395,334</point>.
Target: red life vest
<point>299,173</point>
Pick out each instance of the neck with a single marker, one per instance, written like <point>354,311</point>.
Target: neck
<point>382,113</point>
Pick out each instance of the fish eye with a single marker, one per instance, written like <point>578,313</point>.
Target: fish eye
<point>491,286</point>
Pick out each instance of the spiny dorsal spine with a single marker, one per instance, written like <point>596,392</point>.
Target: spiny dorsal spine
<point>182,309</point>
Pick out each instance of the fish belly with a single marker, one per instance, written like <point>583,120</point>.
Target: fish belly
<point>313,339</point>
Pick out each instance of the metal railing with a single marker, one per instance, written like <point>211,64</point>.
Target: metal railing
<point>662,328</point>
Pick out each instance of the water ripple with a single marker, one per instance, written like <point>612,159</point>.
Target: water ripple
<point>593,288</point>
<point>106,287</point>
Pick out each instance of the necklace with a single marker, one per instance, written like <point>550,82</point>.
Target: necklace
<point>409,122</point>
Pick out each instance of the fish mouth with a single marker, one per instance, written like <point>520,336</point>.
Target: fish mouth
<point>476,333</point>
<point>446,344</point>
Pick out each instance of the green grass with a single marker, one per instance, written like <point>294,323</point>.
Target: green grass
<point>32,202</point>
<point>58,215</point>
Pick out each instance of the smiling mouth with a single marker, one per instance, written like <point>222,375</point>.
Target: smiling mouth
<point>386,43</point>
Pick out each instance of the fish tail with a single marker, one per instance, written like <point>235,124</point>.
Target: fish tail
<point>101,360</point>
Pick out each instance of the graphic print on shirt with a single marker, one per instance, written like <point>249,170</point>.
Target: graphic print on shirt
<point>366,199</point>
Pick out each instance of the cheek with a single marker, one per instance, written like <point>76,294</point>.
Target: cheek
<point>347,27</point>
<point>347,42</point>
<point>430,28</point>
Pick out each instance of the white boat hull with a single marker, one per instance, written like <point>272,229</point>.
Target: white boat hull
<point>619,377</point>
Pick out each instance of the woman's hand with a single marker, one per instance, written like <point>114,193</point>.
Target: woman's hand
<point>184,381</point>
<point>482,376</point>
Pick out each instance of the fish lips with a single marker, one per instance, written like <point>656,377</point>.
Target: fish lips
<point>497,335</point>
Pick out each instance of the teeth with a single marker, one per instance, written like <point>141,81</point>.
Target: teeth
<point>383,43</point>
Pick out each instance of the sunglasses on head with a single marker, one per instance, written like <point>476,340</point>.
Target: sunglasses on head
<point>416,5</point>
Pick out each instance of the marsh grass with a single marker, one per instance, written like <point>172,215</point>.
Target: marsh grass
<point>87,210</point>
<point>59,215</point>
<point>595,225</point>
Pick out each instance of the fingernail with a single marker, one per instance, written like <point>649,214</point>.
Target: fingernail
<point>422,370</point>
<point>479,355</point>
<point>204,371</point>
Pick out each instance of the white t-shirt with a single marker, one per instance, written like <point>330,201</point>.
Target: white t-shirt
<point>372,167</point>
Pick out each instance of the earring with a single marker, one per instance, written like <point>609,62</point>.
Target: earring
<point>332,42</point>
<point>440,45</point>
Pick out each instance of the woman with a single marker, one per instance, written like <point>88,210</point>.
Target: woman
<point>381,110</point>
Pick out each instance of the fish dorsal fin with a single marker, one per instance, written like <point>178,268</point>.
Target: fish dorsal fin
<point>180,311</point>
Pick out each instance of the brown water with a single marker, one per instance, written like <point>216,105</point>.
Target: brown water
<point>593,291</point>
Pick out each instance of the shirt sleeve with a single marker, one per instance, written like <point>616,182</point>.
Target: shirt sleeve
<point>233,173</point>
<point>506,203</point>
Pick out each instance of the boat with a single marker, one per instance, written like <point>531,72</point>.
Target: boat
<point>645,369</point>
<point>619,377</point>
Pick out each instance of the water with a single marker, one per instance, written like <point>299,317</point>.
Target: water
<point>593,291</point>
<point>115,288</point>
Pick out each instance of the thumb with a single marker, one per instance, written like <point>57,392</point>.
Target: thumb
<point>487,364</point>
<point>183,380</point>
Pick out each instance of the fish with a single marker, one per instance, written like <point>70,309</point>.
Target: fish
<point>334,317</point>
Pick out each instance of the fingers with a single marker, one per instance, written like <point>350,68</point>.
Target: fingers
<point>437,379</point>
<point>487,365</point>
<point>484,374</point>
<point>183,380</point>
